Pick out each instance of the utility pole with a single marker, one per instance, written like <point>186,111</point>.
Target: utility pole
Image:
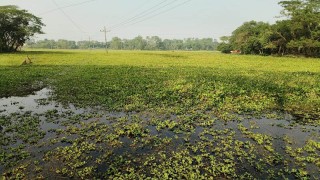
<point>89,42</point>
<point>105,36</point>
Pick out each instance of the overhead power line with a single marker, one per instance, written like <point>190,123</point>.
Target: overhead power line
<point>68,17</point>
<point>63,7</point>
<point>174,7</point>
<point>154,15</point>
<point>142,5</point>
<point>144,13</point>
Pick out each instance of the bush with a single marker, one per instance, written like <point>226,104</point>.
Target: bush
<point>225,48</point>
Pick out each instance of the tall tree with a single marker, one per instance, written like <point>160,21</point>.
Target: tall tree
<point>250,37</point>
<point>297,33</point>
<point>279,37</point>
<point>225,46</point>
<point>154,43</point>
<point>139,43</point>
<point>116,43</point>
<point>304,21</point>
<point>16,27</point>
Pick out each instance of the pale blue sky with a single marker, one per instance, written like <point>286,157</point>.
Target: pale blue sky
<point>196,18</point>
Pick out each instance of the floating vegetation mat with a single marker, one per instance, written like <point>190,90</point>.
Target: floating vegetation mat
<point>43,139</point>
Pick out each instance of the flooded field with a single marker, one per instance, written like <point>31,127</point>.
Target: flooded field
<point>158,115</point>
<point>45,139</point>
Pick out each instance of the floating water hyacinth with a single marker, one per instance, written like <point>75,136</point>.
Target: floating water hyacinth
<point>162,115</point>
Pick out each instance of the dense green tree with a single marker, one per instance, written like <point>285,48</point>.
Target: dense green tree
<point>297,33</point>
<point>97,44</point>
<point>191,44</point>
<point>65,44</point>
<point>85,44</point>
<point>47,44</point>
<point>154,43</point>
<point>174,44</point>
<point>116,43</point>
<point>278,37</point>
<point>250,37</point>
<point>139,43</point>
<point>225,46</point>
<point>16,27</point>
<point>207,44</point>
<point>304,22</point>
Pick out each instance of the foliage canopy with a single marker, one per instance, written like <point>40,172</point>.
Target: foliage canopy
<point>16,27</point>
<point>298,33</point>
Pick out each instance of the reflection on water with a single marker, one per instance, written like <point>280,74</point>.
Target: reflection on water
<point>55,117</point>
<point>40,103</point>
<point>29,103</point>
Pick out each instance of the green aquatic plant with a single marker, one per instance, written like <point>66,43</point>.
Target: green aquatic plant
<point>71,161</point>
<point>140,115</point>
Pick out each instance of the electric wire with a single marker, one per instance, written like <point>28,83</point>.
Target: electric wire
<point>167,10</point>
<point>146,2</point>
<point>68,17</point>
<point>63,7</point>
<point>144,13</point>
<point>174,7</point>
<point>138,18</point>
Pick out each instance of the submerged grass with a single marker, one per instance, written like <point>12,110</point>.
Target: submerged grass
<point>170,103</point>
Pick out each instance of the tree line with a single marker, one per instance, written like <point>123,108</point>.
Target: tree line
<point>297,33</point>
<point>137,43</point>
<point>18,26</point>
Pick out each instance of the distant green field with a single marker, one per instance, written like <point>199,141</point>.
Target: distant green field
<point>175,103</point>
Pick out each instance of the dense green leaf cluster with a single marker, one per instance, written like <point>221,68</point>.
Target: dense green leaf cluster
<point>298,33</point>
<point>16,26</point>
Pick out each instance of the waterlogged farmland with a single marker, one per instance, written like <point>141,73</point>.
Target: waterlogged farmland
<point>161,115</point>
